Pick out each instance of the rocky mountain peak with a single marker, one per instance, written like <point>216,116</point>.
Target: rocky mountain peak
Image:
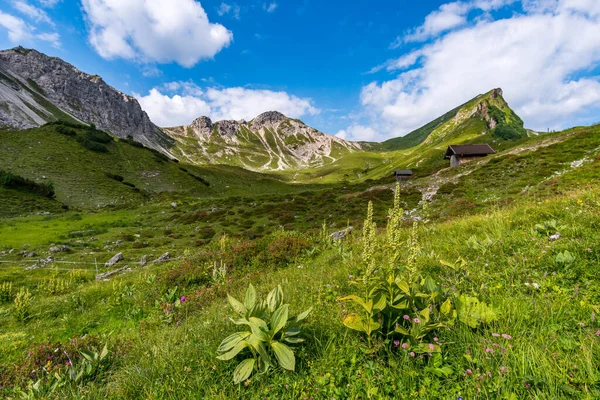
<point>269,117</point>
<point>36,88</point>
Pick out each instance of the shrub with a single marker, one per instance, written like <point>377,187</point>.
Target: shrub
<point>90,145</point>
<point>98,136</point>
<point>129,140</point>
<point>284,247</point>
<point>6,292</point>
<point>13,181</point>
<point>128,184</point>
<point>65,131</point>
<point>270,325</point>
<point>22,305</point>
<point>116,177</point>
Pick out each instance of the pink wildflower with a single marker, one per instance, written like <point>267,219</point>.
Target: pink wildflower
<point>505,336</point>
<point>396,343</point>
<point>405,345</point>
<point>182,299</point>
<point>417,321</point>
<point>435,339</point>
<point>598,333</point>
<point>406,317</point>
<point>412,353</point>
<point>488,350</point>
<point>489,374</point>
<point>431,347</point>
<point>469,372</point>
<point>68,363</point>
<point>495,335</point>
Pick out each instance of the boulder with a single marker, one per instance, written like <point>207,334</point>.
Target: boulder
<point>339,235</point>
<point>554,237</point>
<point>163,258</point>
<point>115,259</point>
<point>60,249</point>
<point>107,275</point>
<point>144,260</point>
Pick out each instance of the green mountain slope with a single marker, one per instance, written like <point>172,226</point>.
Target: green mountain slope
<point>118,172</point>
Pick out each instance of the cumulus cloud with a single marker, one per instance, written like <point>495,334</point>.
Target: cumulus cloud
<point>49,3</point>
<point>179,103</point>
<point>358,133</point>
<point>225,8</point>
<point>19,32</point>
<point>16,27</point>
<point>153,30</point>
<point>32,12</point>
<point>541,57</point>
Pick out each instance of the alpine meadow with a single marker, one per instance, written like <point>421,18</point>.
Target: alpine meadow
<point>201,238</point>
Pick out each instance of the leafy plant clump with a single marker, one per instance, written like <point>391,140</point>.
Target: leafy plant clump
<point>270,325</point>
<point>10,180</point>
<point>91,145</point>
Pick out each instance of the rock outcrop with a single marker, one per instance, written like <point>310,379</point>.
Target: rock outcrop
<point>36,88</point>
<point>271,141</point>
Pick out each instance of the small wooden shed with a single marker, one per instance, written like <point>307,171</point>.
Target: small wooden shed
<point>403,174</point>
<point>459,154</point>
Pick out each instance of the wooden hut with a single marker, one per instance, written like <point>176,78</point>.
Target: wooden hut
<point>459,154</point>
<point>403,175</point>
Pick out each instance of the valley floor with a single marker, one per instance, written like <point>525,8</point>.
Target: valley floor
<point>162,323</point>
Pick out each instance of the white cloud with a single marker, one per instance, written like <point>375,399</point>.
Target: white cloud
<point>225,8</point>
<point>49,3</point>
<point>358,133</point>
<point>154,30</point>
<point>270,7</point>
<point>542,59</point>
<point>32,12</point>
<point>53,38</point>
<point>447,17</point>
<point>16,27</point>
<point>179,103</point>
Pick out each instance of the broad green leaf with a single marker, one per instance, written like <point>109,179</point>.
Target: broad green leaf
<point>260,348</point>
<point>284,355</point>
<point>259,329</point>
<point>292,332</point>
<point>371,326</point>
<point>446,307</point>
<point>473,312</point>
<point>104,353</point>
<point>401,330</point>
<point>430,285</point>
<point>233,352</point>
<point>425,314</point>
<point>358,301</point>
<point>236,305</point>
<point>250,299</point>
<point>403,285</point>
<point>403,305</point>
<point>88,355</point>
<point>379,303</point>
<point>279,319</point>
<point>232,340</point>
<point>241,321</point>
<point>303,315</point>
<point>354,321</point>
<point>275,298</point>
<point>243,370</point>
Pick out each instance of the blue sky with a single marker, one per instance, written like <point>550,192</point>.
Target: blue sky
<point>362,70</point>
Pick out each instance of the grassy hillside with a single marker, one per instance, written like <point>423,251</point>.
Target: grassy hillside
<point>118,173</point>
<point>160,347</point>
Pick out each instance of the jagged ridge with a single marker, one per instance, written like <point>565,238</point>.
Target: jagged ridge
<point>271,141</point>
<point>36,88</point>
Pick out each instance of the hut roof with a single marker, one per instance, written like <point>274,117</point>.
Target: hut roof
<point>469,150</point>
<point>403,172</point>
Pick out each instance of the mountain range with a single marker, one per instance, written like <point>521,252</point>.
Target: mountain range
<point>36,89</point>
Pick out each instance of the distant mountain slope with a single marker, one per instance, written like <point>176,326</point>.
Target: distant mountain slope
<point>118,172</point>
<point>271,142</point>
<point>486,113</point>
<point>36,88</point>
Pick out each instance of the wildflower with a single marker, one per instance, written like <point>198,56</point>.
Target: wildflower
<point>459,398</point>
<point>68,363</point>
<point>527,385</point>
<point>396,343</point>
<point>182,299</point>
<point>598,333</point>
<point>495,335</point>
<point>489,374</point>
<point>417,321</point>
<point>412,353</point>
<point>431,347</point>
<point>507,337</point>
<point>488,350</point>
<point>435,339</point>
<point>469,372</point>
<point>503,369</point>
<point>406,317</point>
<point>405,345</point>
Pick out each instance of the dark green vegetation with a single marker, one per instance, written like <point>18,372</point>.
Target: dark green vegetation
<point>517,232</point>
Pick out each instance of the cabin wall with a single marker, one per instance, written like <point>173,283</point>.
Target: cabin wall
<point>401,178</point>
<point>460,160</point>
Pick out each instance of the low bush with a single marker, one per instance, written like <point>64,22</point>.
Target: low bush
<point>116,177</point>
<point>97,136</point>
<point>129,140</point>
<point>65,131</point>
<point>91,145</point>
<point>13,181</point>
